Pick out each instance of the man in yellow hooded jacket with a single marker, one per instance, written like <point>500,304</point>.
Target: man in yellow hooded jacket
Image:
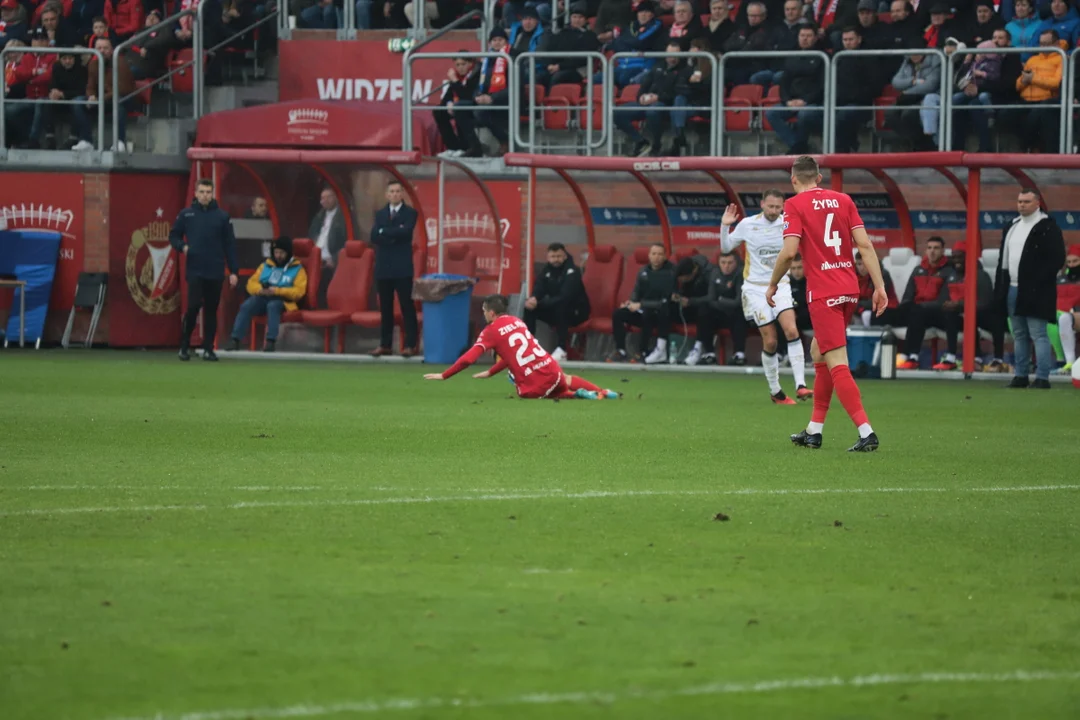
<point>277,285</point>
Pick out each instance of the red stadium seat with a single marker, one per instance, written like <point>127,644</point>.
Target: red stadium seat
<point>304,250</point>
<point>597,110</point>
<point>632,267</point>
<point>565,96</point>
<point>602,276</point>
<point>751,93</point>
<point>539,93</point>
<point>628,95</point>
<point>183,80</point>
<point>459,260</point>
<point>347,293</point>
<point>684,252</point>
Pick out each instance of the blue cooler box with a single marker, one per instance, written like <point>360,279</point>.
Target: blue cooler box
<point>863,348</point>
<point>446,324</point>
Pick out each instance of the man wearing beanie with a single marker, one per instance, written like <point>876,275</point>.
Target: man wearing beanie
<point>574,39</point>
<point>276,286</point>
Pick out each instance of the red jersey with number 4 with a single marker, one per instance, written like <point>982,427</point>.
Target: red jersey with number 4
<point>823,220</point>
<point>528,363</point>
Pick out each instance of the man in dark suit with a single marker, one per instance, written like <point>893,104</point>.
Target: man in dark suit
<point>392,236</point>
<point>327,231</point>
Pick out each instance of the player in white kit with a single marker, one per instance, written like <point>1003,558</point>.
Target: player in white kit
<point>763,235</point>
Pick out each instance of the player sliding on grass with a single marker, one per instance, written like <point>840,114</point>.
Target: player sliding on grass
<point>822,225</point>
<point>535,374</point>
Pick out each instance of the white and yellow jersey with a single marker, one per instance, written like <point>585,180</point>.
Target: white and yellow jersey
<point>764,241</point>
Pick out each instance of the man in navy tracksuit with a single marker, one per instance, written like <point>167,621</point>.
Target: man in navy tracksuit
<point>210,244</point>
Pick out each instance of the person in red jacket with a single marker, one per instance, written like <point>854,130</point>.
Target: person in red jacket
<point>921,305</point>
<point>125,18</point>
<point>865,308</point>
<point>34,72</point>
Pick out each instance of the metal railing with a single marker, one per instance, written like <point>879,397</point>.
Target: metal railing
<point>714,105</point>
<point>100,102</point>
<point>407,105</point>
<point>830,91</point>
<point>199,96</point>
<point>1068,78</point>
<point>1063,103</point>
<point>589,99</point>
<point>726,58</point>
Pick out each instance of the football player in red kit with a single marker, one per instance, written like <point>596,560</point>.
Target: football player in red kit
<point>535,374</point>
<point>825,227</point>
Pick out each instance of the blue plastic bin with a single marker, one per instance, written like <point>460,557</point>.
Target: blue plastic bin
<point>446,324</point>
<point>862,348</point>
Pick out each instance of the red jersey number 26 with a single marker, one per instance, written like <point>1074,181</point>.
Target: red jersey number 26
<point>832,237</point>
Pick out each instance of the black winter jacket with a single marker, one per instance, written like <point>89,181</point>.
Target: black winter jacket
<point>697,290</point>
<point>1036,288</point>
<point>667,82</point>
<point>559,285</point>
<point>725,291</point>
<point>210,240</point>
<point>804,79</point>
<point>654,286</point>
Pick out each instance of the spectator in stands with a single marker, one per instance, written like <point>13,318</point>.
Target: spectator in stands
<point>558,298</point>
<point>687,26</point>
<point>720,26</point>
<point>461,82</point>
<point>953,310</point>
<point>392,235</point>
<point>921,305</point>
<point>124,17</point>
<point>834,16</point>
<point>491,90</point>
<point>917,77</point>
<point>526,36</point>
<point>100,29</point>
<point>81,112</point>
<point>612,15</point>
<point>277,285</point>
<point>515,10</point>
<point>1024,27</point>
<point>648,308</point>
<point>325,15</point>
<point>903,31</point>
<point>12,91</point>
<point>68,83</point>
<point>802,95</point>
<point>152,52</point>
<point>1032,252</point>
<point>875,35</point>
<point>941,26</point>
<point>260,211</point>
<point>435,13</point>
<point>756,35</point>
<point>645,34</point>
<point>930,113</point>
<point>661,86</point>
<point>576,38</point>
<point>986,22</point>
<point>1064,20</point>
<point>59,29</point>
<point>700,83</point>
<point>1068,309</point>
<point>694,277</point>
<point>1039,85</point>
<point>327,229</point>
<point>858,82</point>
<point>35,73</point>
<point>865,315</point>
<point>726,306</point>
<point>988,79</point>
<point>13,25</point>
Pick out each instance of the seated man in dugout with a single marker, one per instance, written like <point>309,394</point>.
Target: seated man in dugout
<point>277,285</point>
<point>648,308</point>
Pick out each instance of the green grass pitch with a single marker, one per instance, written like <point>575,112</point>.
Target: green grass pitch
<point>269,540</point>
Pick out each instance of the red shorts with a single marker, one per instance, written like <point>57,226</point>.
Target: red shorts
<point>830,317</point>
<point>539,387</point>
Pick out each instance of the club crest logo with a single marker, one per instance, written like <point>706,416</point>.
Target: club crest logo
<point>308,123</point>
<point>23,216</point>
<point>476,229</point>
<point>151,269</point>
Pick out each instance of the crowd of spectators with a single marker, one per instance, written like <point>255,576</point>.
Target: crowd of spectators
<point>102,25</point>
<point>1031,80</point>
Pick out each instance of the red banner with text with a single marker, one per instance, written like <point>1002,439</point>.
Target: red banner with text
<point>51,202</point>
<point>358,70</point>
<point>144,294</point>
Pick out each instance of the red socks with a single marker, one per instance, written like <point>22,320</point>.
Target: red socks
<point>848,392</point>
<point>823,388</point>
<point>580,383</point>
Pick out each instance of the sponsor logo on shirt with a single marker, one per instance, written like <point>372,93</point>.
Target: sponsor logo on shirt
<point>837,265</point>
<point>840,300</point>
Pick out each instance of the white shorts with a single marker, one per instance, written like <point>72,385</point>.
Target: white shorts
<point>757,311</point>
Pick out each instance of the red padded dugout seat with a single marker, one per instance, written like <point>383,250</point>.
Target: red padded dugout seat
<point>603,274</point>
<point>459,260</point>
<point>347,293</point>
<point>309,256</point>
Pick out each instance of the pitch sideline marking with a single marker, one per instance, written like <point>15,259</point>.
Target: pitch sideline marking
<point>577,698</point>
<point>547,495</point>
